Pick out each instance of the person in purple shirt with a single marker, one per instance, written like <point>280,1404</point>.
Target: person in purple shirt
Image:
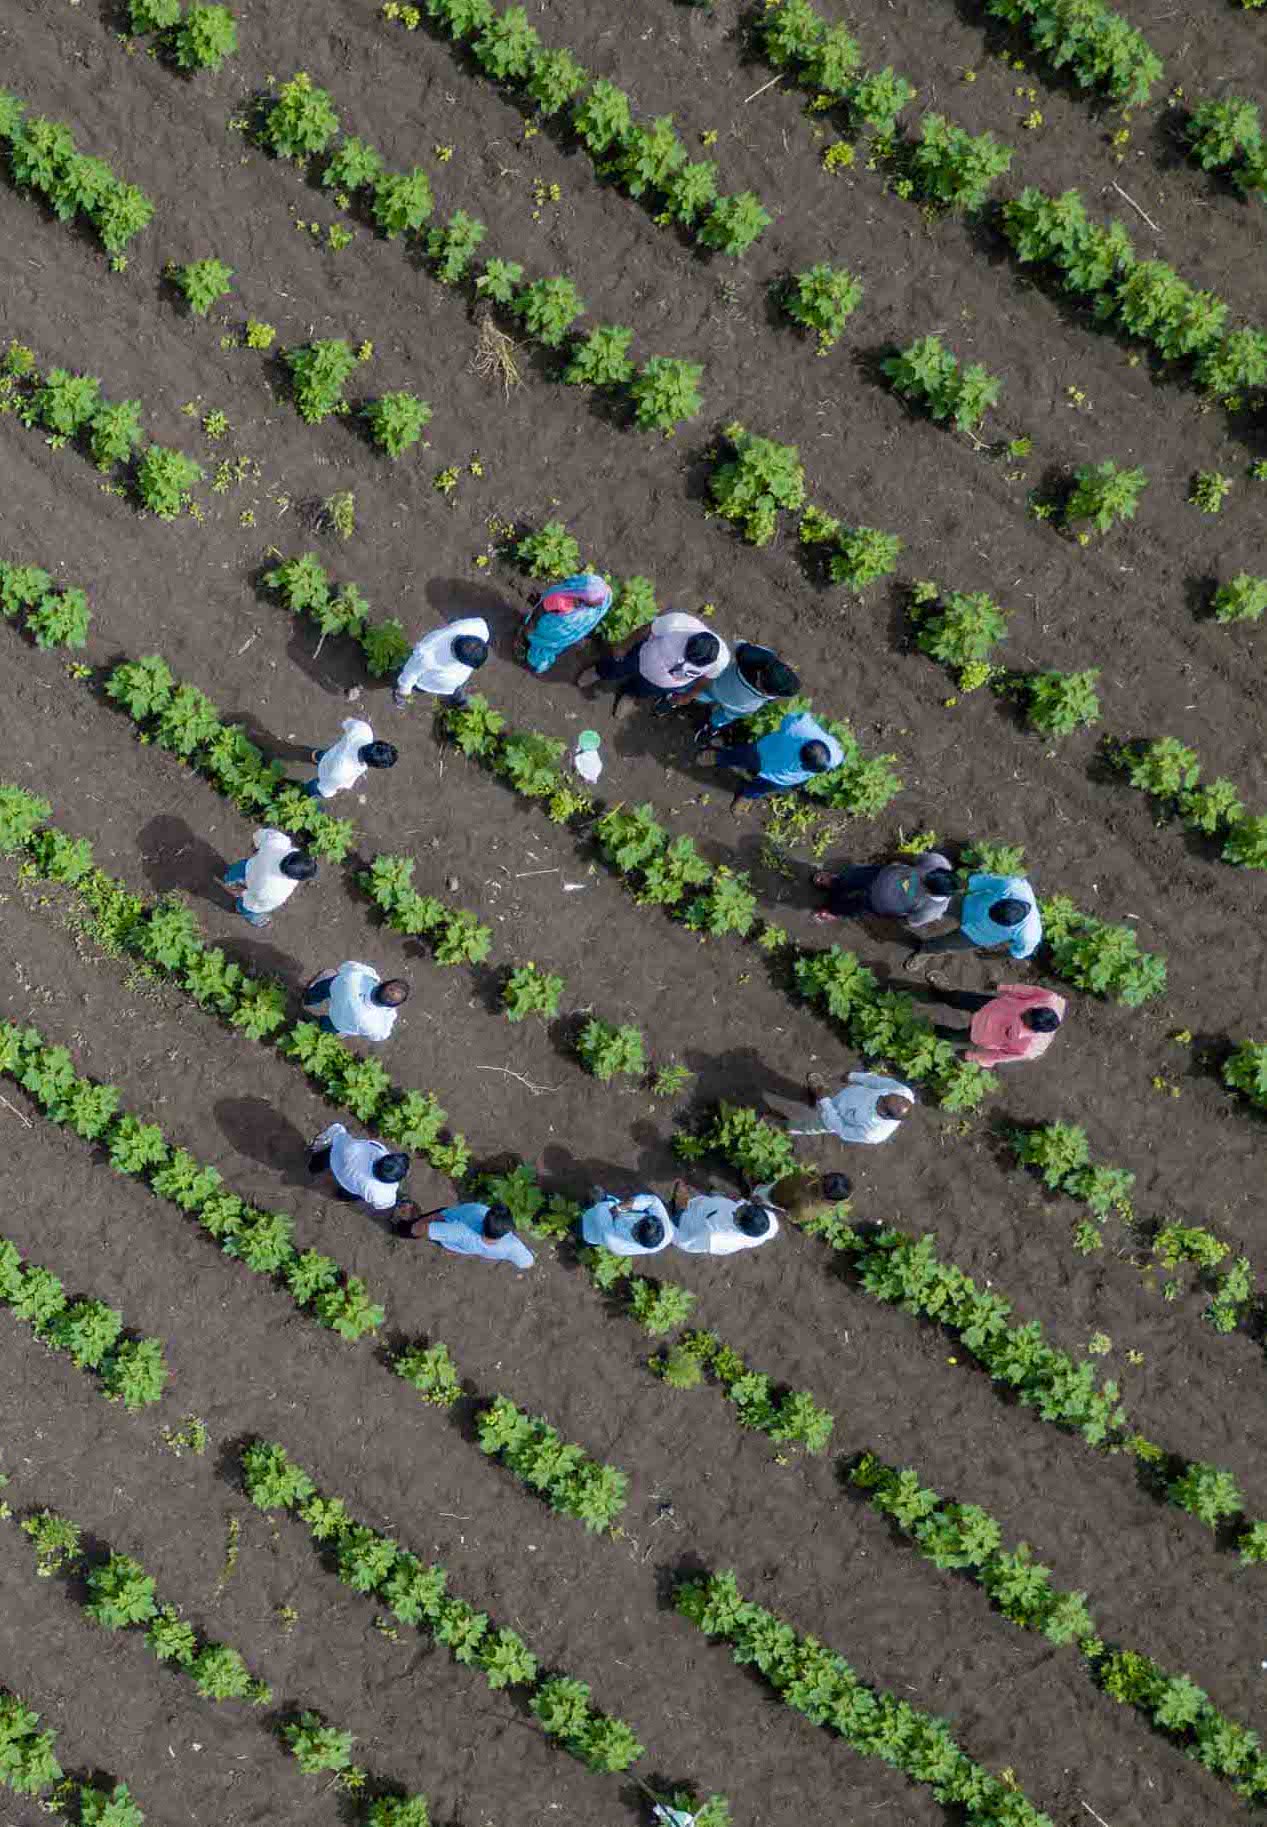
<point>782,760</point>
<point>472,1229</point>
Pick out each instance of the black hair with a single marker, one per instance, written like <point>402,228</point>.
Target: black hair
<point>940,882</point>
<point>471,650</point>
<point>298,865</point>
<point>753,1220</point>
<point>498,1221</point>
<point>406,1213</point>
<point>702,649</point>
<point>379,754</point>
<point>649,1231</point>
<point>836,1186</point>
<point>899,1097</point>
<point>816,756</point>
<point>1009,912</point>
<point>391,1168</point>
<point>778,680</point>
<point>391,994</point>
<point>1043,1020</point>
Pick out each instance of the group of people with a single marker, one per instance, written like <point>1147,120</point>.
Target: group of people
<point>677,660</point>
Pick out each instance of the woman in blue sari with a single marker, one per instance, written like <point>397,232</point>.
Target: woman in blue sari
<point>563,615</point>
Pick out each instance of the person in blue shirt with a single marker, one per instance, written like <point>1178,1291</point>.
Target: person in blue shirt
<point>785,759</point>
<point>755,676</point>
<point>994,910</point>
<point>629,1227</point>
<point>471,1230</point>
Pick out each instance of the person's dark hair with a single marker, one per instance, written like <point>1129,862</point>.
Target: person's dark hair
<point>940,882</point>
<point>391,1168</point>
<point>298,865</point>
<point>649,1231</point>
<point>379,754</point>
<point>391,994</point>
<point>836,1186</point>
<point>1009,912</point>
<point>894,1106</point>
<point>753,1220</point>
<point>816,756</point>
<point>471,650</point>
<point>1043,1021</point>
<point>778,680</point>
<point>498,1221</point>
<point>406,1212</point>
<point>702,649</point>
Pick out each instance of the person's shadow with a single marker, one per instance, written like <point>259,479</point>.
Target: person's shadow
<point>175,857</point>
<point>275,748</point>
<point>255,1129</point>
<point>454,598</point>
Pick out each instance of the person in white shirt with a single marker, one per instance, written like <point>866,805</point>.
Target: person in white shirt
<point>264,881</point>
<point>342,765</point>
<point>706,1224</point>
<point>672,663</point>
<point>472,1229</point>
<point>629,1227</point>
<point>868,1108</point>
<point>442,662</point>
<point>354,1000</point>
<point>364,1170</point>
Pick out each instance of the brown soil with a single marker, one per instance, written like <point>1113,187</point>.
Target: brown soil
<point>241,1359</point>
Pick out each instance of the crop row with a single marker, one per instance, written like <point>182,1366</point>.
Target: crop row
<point>902,1271</point>
<point>647,162</point>
<point>966,1538</point>
<point>29,1766</point>
<point>41,156</point>
<point>54,615</point>
<point>72,410</point>
<point>199,39</point>
<point>792,1417</point>
<point>1168,772</point>
<point>818,1683</point>
<point>1101,48</point>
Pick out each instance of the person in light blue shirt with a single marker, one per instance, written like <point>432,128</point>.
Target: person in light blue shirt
<point>994,910</point>
<point>354,1000</point>
<point>785,759</point>
<point>755,676</point>
<point>629,1227</point>
<point>472,1229</point>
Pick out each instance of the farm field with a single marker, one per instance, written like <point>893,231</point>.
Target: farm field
<point>1109,1415</point>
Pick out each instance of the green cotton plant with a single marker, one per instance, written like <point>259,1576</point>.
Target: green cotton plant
<point>1246,846</point>
<point>929,373</point>
<point>1056,1150</point>
<point>734,223</point>
<point>396,421</point>
<point>203,283</point>
<point>601,359</point>
<point>401,201</point>
<point>58,858</point>
<point>953,170</point>
<point>451,249</point>
<point>1164,768</point>
<point>348,1310</point>
<point>659,1307</point>
<point>134,1147</point>
<point>114,431</point>
<point>273,1481</point>
<point>822,300</point>
<point>204,38</point>
<point>646,158</point>
<point>431,1371</point>
<point>1220,133</point>
<point>87,1330</point>
<point>319,372</point>
<point>665,393</point>
<point>316,1746</point>
<point>135,1373</point>
<point>499,281</point>
<point>301,121</point>
<point>761,479</point>
<point>1057,703</point>
<point>219,1673</point>
<point>689,193</point>
<point>1245,1070</point>
<point>56,1542</point>
<point>728,906</point>
<point>506,1660</point>
<point>262,1241</point>
<point>64,402</point>
<point>531,763</point>
<point>1242,599</point>
<point>1103,494</point>
<point>528,991</point>
<point>354,165</point>
<point>962,629</point>
<point>120,1593</point>
<point>553,79</point>
<point>61,619</point>
<point>547,309</point>
<point>550,553</point>
<point>602,118</point>
<point>1154,303</point>
<point>164,479</point>
<point>507,46</point>
<point>1100,47</point>
<point>571,1482</point>
<point>1095,956</point>
<point>1207,1492</point>
<point>862,556</point>
<point>606,1050</point>
<point>21,815</point>
<point>27,1763</point>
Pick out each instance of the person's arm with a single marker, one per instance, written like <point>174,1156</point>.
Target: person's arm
<point>451,1234</point>
<point>928,913</point>
<point>693,690</point>
<point>520,1254</point>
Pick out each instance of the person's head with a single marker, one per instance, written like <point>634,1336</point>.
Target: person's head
<point>406,1212</point>
<point>894,1106</point>
<point>836,1186</point>
<point>702,649</point>
<point>753,1220</point>
<point>498,1221</point>
<point>378,754</point>
<point>941,883</point>
<point>815,757</point>
<point>594,592</point>
<point>777,680</point>
<point>391,1168</point>
<point>1042,1021</point>
<point>648,1233</point>
<point>1009,912</point>
<point>298,865</point>
<point>391,994</point>
<point>470,650</point>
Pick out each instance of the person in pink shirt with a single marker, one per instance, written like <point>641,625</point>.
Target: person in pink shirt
<point>1015,1022</point>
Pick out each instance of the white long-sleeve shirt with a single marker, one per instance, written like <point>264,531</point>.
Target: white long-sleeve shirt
<point>352,1163</point>
<point>432,667</point>
<point>266,886</point>
<point>706,1227</point>
<point>341,766</point>
<point>851,1114</point>
<point>609,1227</point>
<point>352,1008</point>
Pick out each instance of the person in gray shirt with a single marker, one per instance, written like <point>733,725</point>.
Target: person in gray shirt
<point>917,890</point>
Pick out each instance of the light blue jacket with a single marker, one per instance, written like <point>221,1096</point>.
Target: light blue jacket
<point>780,751</point>
<point>982,893</point>
<point>601,1226</point>
<point>461,1230</point>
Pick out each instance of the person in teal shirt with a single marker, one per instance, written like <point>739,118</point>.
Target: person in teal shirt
<point>784,759</point>
<point>994,910</point>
